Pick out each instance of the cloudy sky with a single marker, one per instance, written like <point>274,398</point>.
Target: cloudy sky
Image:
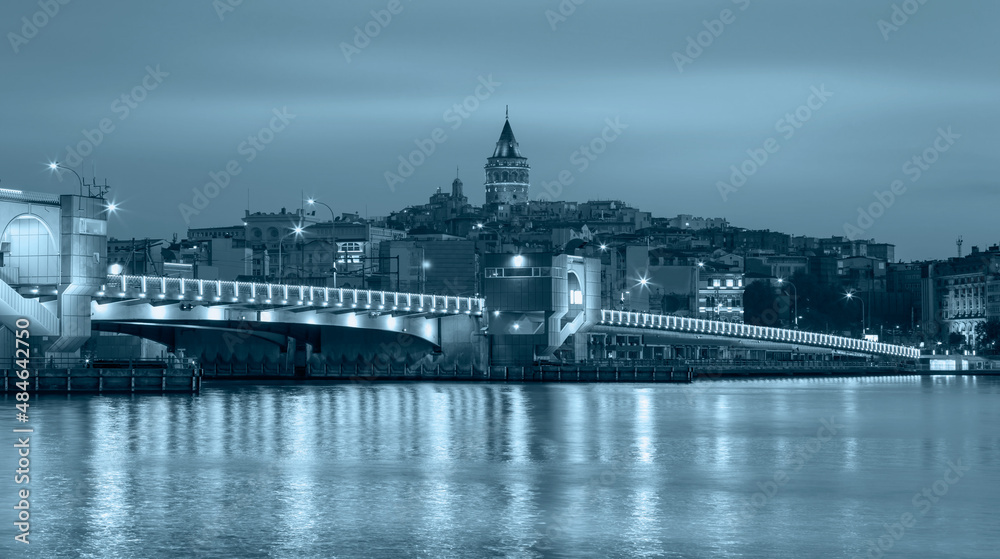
<point>180,88</point>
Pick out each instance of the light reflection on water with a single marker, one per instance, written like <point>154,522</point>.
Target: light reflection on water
<point>441,470</point>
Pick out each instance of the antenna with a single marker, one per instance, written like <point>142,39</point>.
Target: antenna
<point>958,243</point>
<point>507,115</point>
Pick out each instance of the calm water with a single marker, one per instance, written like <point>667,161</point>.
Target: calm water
<point>490,470</point>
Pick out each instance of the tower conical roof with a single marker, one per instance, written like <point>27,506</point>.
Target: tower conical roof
<point>507,145</point>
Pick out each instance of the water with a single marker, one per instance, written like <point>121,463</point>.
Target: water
<point>441,470</point>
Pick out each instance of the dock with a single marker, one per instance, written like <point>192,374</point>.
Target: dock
<point>127,376</point>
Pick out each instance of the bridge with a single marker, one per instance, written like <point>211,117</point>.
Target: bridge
<point>543,307</point>
<point>722,332</point>
<point>299,324</point>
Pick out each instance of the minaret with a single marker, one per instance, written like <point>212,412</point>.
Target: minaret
<point>507,171</point>
<point>456,186</point>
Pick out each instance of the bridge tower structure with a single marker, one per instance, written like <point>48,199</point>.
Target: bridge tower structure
<point>53,259</point>
<point>538,303</point>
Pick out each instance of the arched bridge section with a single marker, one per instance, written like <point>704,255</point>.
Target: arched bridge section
<point>241,321</point>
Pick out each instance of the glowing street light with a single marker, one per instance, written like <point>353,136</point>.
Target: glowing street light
<point>795,298</point>
<point>56,166</point>
<point>313,202</point>
<point>850,297</point>
<point>297,231</point>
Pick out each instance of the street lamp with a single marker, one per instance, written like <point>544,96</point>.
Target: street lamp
<point>313,202</point>
<point>333,235</point>
<point>850,296</point>
<point>795,299</point>
<point>297,231</point>
<point>55,166</point>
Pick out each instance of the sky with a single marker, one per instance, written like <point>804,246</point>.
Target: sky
<point>800,117</point>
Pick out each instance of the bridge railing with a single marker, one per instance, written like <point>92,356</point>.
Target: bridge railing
<point>232,292</point>
<point>752,332</point>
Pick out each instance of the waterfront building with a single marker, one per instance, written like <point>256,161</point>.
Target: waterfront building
<point>956,292</point>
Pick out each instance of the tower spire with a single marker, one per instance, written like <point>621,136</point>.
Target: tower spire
<point>507,112</point>
<point>507,170</point>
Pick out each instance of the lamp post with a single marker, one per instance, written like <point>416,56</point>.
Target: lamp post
<point>795,300</point>
<point>313,202</point>
<point>482,227</point>
<point>333,235</point>
<point>55,166</point>
<point>297,231</point>
<point>850,296</point>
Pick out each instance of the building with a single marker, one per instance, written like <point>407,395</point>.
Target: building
<point>862,273</point>
<point>337,253</point>
<point>135,257</point>
<point>720,295</point>
<point>444,212</point>
<point>778,266</point>
<point>438,264</point>
<point>882,251</point>
<point>506,172</point>
<point>956,293</point>
<point>687,221</point>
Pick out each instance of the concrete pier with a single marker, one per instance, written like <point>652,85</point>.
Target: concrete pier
<point>535,373</point>
<point>111,377</point>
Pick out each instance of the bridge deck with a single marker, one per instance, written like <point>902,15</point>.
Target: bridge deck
<point>203,291</point>
<point>748,331</point>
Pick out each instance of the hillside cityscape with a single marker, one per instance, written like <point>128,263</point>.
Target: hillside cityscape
<point>702,267</point>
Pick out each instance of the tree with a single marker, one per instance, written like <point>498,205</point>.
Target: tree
<point>761,304</point>
<point>823,307</point>
<point>956,340</point>
<point>987,336</point>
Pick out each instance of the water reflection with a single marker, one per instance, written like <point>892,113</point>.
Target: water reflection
<point>494,470</point>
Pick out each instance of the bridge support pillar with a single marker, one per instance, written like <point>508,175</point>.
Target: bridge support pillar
<point>296,357</point>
